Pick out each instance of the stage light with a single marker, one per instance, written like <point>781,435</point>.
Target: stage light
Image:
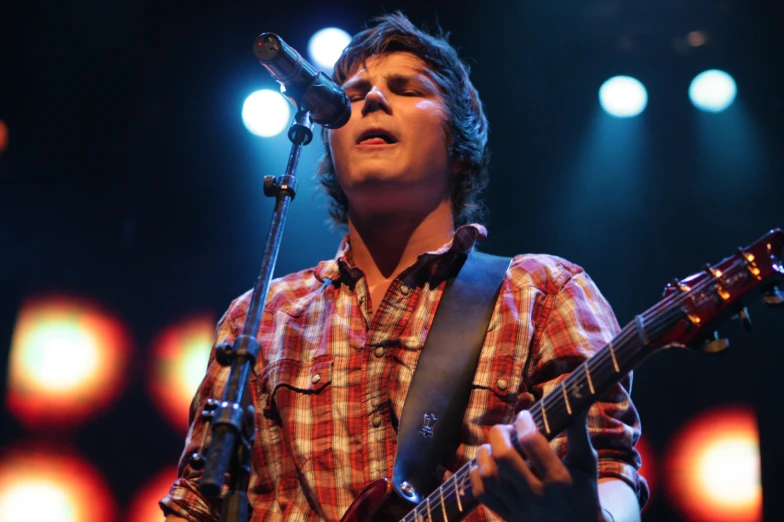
<point>325,47</point>
<point>179,361</point>
<point>623,96</point>
<point>266,113</point>
<point>713,468</point>
<point>43,486</point>
<point>67,363</point>
<point>713,90</point>
<point>144,505</point>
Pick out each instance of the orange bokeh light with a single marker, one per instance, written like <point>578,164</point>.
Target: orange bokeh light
<point>713,470</point>
<point>68,361</point>
<point>180,356</point>
<point>144,505</point>
<point>46,485</point>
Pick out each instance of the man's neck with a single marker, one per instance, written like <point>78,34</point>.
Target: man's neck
<point>384,246</point>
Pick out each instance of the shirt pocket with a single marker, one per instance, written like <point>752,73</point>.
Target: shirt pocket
<point>299,399</point>
<point>494,391</point>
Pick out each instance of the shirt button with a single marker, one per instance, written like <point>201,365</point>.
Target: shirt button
<point>376,420</point>
<point>404,289</point>
<point>502,384</point>
<point>316,378</point>
<point>379,352</point>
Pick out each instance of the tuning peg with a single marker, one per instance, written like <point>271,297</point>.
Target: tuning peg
<point>745,319</point>
<point>716,344</point>
<point>773,296</point>
<point>675,285</point>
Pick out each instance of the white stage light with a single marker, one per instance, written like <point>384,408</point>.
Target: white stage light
<point>325,47</point>
<point>712,91</point>
<point>623,96</point>
<point>266,113</point>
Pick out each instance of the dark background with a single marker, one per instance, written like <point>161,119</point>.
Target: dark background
<point>130,178</point>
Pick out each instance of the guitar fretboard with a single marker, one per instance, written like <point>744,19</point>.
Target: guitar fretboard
<point>454,499</point>
<point>700,299</point>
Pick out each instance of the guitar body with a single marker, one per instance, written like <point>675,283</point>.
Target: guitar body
<point>378,502</point>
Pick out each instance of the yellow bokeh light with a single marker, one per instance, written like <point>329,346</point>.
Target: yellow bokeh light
<point>729,469</point>
<point>60,355</point>
<point>52,503</point>
<point>68,361</point>
<point>713,467</point>
<point>47,486</point>
<point>180,356</point>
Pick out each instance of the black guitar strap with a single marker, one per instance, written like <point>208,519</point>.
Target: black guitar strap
<point>440,387</point>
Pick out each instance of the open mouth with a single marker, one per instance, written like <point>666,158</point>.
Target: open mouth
<point>376,137</point>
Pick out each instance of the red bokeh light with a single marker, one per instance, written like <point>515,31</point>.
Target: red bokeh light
<point>144,505</point>
<point>648,468</point>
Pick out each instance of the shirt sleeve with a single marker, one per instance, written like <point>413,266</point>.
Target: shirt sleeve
<point>184,498</point>
<point>575,323</point>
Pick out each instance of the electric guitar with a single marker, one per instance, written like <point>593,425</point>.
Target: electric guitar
<point>687,316</point>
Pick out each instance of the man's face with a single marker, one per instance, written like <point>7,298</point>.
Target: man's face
<point>392,154</point>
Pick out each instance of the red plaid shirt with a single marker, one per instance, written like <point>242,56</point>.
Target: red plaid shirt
<point>332,377</point>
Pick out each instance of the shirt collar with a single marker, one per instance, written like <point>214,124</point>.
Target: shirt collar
<point>462,242</point>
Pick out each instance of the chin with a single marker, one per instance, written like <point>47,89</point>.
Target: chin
<point>376,180</point>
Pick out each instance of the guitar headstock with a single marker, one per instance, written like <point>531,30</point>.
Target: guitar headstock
<point>710,297</point>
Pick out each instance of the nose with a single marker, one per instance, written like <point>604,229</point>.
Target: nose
<point>375,100</point>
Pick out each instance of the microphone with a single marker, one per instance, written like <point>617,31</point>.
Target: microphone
<point>302,83</point>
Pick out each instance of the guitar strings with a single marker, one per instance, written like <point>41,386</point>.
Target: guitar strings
<point>656,321</point>
<point>603,359</point>
<point>604,363</point>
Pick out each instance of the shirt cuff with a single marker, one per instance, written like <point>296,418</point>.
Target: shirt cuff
<point>627,473</point>
<point>185,501</point>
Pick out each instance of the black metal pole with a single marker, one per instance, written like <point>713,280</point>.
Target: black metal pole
<point>233,420</point>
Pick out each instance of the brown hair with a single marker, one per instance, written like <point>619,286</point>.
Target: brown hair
<point>467,127</point>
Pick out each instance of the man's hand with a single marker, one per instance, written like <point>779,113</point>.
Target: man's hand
<point>548,490</point>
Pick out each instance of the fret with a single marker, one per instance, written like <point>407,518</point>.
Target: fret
<point>682,311</point>
<point>443,506</point>
<point>615,361</point>
<point>544,418</point>
<point>457,493</point>
<point>566,399</point>
<point>590,381</point>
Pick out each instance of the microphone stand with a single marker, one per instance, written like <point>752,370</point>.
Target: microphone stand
<point>233,422</point>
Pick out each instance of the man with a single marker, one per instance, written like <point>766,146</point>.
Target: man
<point>339,342</point>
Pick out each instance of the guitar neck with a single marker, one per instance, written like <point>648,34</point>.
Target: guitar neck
<point>690,306</point>
<point>454,499</point>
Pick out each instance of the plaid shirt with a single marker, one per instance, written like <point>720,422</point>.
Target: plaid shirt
<point>332,378</point>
